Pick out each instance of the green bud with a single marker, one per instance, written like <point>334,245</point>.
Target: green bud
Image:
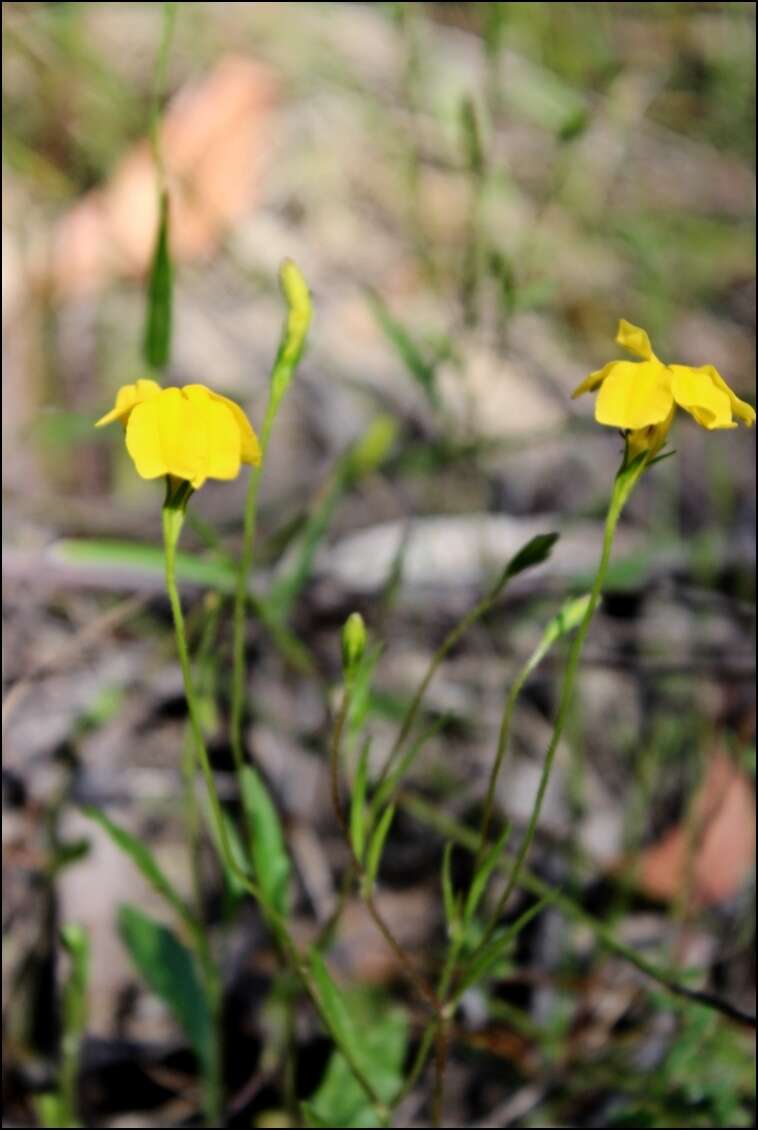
<point>370,451</point>
<point>353,643</point>
<point>297,295</point>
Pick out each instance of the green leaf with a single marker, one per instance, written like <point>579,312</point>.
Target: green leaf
<point>422,370</point>
<point>480,880</point>
<point>376,846</point>
<point>537,550</point>
<point>157,338</point>
<point>116,558</point>
<point>271,863</point>
<point>368,452</point>
<point>495,950</point>
<point>76,944</point>
<point>361,696</point>
<point>358,803</point>
<point>473,148</point>
<point>393,779</point>
<point>379,1041</point>
<point>449,899</point>
<point>236,887</point>
<point>137,558</point>
<point>168,968</point>
<point>51,1111</point>
<point>145,861</point>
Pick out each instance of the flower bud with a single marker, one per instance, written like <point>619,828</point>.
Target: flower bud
<point>353,643</point>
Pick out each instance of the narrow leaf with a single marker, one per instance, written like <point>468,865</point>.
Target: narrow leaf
<point>339,1099</point>
<point>145,861</point>
<point>168,968</point>
<point>376,846</point>
<point>271,863</point>
<point>358,803</point>
<point>333,1004</point>
<point>157,338</point>
<point>494,950</point>
<point>422,371</point>
<point>448,895</point>
<point>480,880</point>
<point>76,944</point>
<point>537,550</point>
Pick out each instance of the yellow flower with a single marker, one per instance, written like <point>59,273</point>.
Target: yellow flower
<point>190,433</point>
<point>641,397</point>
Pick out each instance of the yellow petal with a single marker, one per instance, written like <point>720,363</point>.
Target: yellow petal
<point>635,340</point>
<point>590,383</point>
<point>695,391</point>
<point>165,436</point>
<point>127,398</point>
<point>634,395</point>
<point>250,451</point>
<point>740,409</point>
<point>222,438</point>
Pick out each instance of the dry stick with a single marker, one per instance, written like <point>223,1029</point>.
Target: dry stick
<point>416,978</point>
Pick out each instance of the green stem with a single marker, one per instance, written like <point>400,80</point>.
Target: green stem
<point>424,990</point>
<point>291,345</point>
<point>173,518</point>
<point>159,85</point>
<point>433,817</point>
<point>502,747</point>
<point>239,670</point>
<point>451,639</point>
<point>624,483</point>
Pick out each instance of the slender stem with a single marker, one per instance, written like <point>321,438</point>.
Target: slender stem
<point>291,345</point>
<point>416,978</point>
<point>159,84</point>
<point>623,486</point>
<point>238,646</point>
<point>502,747</point>
<point>442,1043</point>
<point>172,523</point>
<point>432,816</point>
<point>451,639</point>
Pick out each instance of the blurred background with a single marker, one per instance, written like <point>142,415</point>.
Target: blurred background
<point>475,193</point>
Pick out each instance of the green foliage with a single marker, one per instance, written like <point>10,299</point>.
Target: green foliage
<point>358,803</point>
<point>706,1079</point>
<point>271,862</point>
<point>168,967</point>
<point>379,1040</point>
<point>59,1108</point>
<point>376,844</point>
<point>420,366</point>
<point>51,1112</point>
<point>76,944</point>
<point>157,338</point>
<point>535,552</point>
<point>144,860</point>
<point>473,146</point>
<point>488,956</point>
